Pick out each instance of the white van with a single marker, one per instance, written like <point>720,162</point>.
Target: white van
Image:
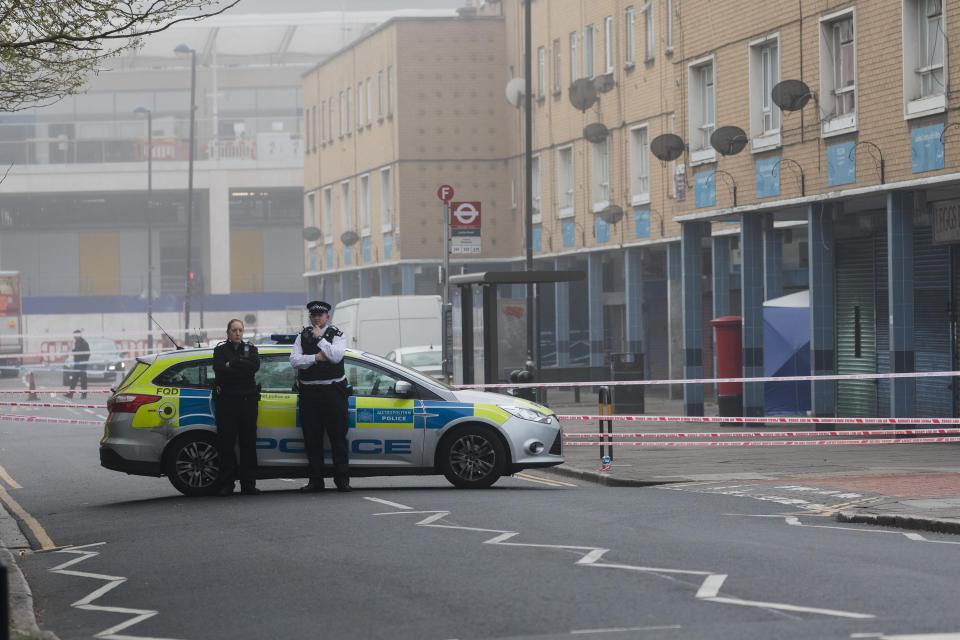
<point>381,324</point>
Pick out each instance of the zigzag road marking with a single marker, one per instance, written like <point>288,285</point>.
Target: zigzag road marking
<point>112,582</point>
<point>794,521</point>
<point>709,590</point>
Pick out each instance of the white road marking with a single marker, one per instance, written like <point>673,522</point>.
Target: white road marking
<point>6,477</point>
<point>708,591</point>
<point>547,481</point>
<point>112,582</point>
<point>388,503</point>
<point>624,629</point>
<point>916,537</point>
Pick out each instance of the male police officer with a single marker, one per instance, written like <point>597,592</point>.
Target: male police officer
<point>81,355</point>
<point>235,364</point>
<point>318,358</point>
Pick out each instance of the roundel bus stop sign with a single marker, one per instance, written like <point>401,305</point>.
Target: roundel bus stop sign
<point>465,227</point>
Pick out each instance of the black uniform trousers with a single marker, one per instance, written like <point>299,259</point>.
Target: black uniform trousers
<point>79,374</point>
<point>237,421</point>
<point>324,410</point>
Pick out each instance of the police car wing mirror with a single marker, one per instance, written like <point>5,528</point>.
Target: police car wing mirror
<point>402,388</point>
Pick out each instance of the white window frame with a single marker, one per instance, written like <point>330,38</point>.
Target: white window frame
<point>668,9</point>
<point>566,182</point>
<point>364,203</point>
<point>836,124</point>
<point>700,129</point>
<point>764,138</point>
<point>557,67</point>
<point>386,199</point>
<point>330,127</point>
<point>361,105</point>
<point>600,184</point>
<point>630,37</point>
<point>608,45</point>
<point>589,52</point>
<point>537,190</point>
<point>380,94</point>
<point>340,114</point>
<point>574,58</point>
<point>348,109</point>
<point>309,115</point>
<point>915,66</point>
<point>649,33</point>
<point>639,165</point>
<point>324,118</point>
<point>390,91</point>
<point>346,207</point>
<point>326,215</point>
<point>313,220</point>
<point>541,72</point>
<point>369,93</point>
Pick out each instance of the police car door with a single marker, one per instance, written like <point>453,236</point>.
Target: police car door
<point>383,428</point>
<point>279,439</point>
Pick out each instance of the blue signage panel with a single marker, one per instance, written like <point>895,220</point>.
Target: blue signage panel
<point>601,230</point>
<point>768,176</point>
<point>569,232</point>
<point>387,246</point>
<point>705,189</point>
<point>537,238</point>
<point>841,164</point>
<point>329,253</point>
<point>926,148</point>
<point>366,251</point>
<point>641,222</point>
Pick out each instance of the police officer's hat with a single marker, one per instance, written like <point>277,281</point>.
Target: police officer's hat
<point>317,307</point>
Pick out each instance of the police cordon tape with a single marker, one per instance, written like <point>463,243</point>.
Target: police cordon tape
<point>647,383</point>
<point>51,405</point>
<point>45,419</point>
<point>53,391</point>
<point>760,434</point>
<point>760,419</point>
<point>768,443</point>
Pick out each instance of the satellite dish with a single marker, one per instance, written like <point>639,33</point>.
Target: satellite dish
<point>311,234</point>
<point>791,95</point>
<point>596,132</point>
<point>729,141</point>
<point>604,83</point>
<point>349,238</point>
<point>516,89</point>
<point>667,147</point>
<point>583,94</point>
<point>612,214</point>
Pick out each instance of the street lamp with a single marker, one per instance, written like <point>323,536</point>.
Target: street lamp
<point>144,111</point>
<point>183,51</point>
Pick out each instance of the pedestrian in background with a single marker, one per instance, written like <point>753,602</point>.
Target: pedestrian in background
<point>81,355</point>
<point>237,398</point>
<point>317,356</point>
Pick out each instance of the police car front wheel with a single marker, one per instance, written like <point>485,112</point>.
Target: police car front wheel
<point>472,458</point>
<point>193,464</point>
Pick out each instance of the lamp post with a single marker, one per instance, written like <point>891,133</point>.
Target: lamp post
<point>183,51</point>
<point>533,320</point>
<point>149,114</point>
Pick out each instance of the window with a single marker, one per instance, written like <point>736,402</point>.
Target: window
<point>557,73</point>
<point>702,109</point>
<point>389,91</point>
<point>275,374</point>
<point>365,205</point>
<point>308,116</point>
<point>535,189</point>
<point>196,374</point>
<point>588,51</point>
<point>541,72</point>
<point>369,101</point>
<point>838,73</point>
<point>347,109</point>
<point>311,209</point>
<point>330,124</point>
<point>630,36</point>
<point>326,215</point>
<point>574,59</point>
<point>565,181</point>
<point>316,127</point>
<point>649,46</point>
<point>601,175</point>
<point>923,57</point>
<point>386,199</point>
<point>368,380</point>
<point>323,122</point>
<point>346,207</point>
<point>608,44</point>
<point>669,11</point>
<point>764,75</point>
<point>639,165</point>
<point>361,105</point>
<point>380,93</point>
<point>340,113</point>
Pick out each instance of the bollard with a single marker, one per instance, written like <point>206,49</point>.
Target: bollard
<point>605,408</point>
<point>4,601</point>
<point>32,384</point>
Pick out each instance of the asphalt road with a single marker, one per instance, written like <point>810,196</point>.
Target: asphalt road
<point>415,558</point>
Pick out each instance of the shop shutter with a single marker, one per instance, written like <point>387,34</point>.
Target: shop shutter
<point>856,349</point>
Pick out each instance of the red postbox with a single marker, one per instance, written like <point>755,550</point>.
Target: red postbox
<point>728,341</point>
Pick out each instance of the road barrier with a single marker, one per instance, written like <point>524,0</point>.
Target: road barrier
<point>761,419</point>
<point>771,443</point>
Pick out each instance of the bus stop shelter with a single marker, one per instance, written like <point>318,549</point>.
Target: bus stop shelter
<point>488,284</point>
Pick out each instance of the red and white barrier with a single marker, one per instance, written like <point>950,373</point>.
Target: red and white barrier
<point>49,420</point>
<point>768,443</point>
<point>763,434</point>
<point>55,391</point>
<point>50,405</point>
<point>763,420</point>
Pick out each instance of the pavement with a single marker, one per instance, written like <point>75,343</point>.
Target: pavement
<point>911,486</point>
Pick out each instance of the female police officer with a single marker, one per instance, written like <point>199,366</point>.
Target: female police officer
<point>235,364</point>
<point>317,356</point>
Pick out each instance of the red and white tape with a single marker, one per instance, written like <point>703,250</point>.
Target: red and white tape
<point>54,391</point>
<point>762,434</point>
<point>767,443</point>
<point>50,405</point>
<point>647,383</point>
<point>45,419</point>
<point>762,420</point>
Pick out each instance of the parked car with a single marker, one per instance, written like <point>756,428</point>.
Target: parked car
<point>427,359</point>
<point>106,362</point>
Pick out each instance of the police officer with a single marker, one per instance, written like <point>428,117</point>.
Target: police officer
<point>235,364</point>
<point>318,358</point>
<point>81,355</point>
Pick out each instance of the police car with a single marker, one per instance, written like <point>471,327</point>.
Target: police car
<point>161,423</point>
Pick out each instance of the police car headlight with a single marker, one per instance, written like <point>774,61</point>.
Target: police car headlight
<point>526,414</point>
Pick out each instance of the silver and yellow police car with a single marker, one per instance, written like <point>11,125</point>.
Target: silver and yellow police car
<point>161,423</point>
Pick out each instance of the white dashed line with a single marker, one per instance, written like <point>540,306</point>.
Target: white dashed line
<point>388,503</point>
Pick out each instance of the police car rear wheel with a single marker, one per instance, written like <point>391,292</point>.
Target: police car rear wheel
<point>193,465</point>
<point>472,458</point>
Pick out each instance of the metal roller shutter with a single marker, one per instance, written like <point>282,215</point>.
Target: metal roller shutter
<point>931,320</point>
<point>856,326</point>
<point>883,325</point>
